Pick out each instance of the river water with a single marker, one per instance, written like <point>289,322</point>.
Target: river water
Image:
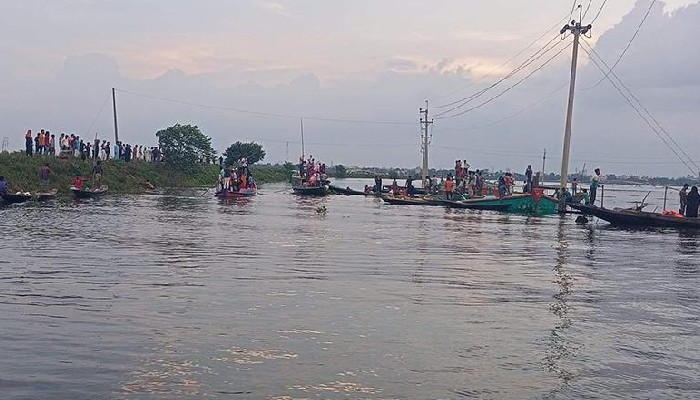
<point>178,296</point>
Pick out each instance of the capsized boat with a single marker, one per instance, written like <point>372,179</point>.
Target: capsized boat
<point>636,218</point>
<point>345,191</point>
<point>87,193</point>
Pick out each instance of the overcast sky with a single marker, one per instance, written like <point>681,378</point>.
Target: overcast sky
<point>356,60</point>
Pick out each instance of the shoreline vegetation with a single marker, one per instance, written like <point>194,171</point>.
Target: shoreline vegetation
<point>22,174</point>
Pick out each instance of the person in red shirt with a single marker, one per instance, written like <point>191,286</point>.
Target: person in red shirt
<point>78,182</point>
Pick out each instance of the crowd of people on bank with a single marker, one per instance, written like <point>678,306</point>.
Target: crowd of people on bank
<point>311,173</point>
<point>45,143</point>
<point>237,178</point>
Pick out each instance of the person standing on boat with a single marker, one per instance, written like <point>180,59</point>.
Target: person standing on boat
<point>377,184</point>
<point>684,199</point>
<point>44,175</point>
<point>595,181</point>
<point>574,187</point>
<point>528,179</point>
<point>409,185</point>
<point>449,187</point>
<point>693,203</point>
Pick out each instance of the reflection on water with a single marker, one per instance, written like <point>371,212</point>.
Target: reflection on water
<point>183,296</point>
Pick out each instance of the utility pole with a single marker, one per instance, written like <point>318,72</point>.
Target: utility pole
<point>425,135</point>
<point>577,30</point>
<point>286,158</point>
<point>544,159</point>
<point>114,108</point>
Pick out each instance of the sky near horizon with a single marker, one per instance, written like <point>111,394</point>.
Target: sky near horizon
<point>372,61</point>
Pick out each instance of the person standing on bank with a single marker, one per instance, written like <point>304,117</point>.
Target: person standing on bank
<point>595,181</point>
<point>684,199</point>
<point>44,176</point>
<point>693,203</point>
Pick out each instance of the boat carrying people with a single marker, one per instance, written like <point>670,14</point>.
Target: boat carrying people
<point>236,182</point>
<point>310,178</point>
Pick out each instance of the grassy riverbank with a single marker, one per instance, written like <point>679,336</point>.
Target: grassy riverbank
<point>22,174</point>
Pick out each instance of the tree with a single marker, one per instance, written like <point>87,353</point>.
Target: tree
<point>252,151</point>
<point>184,145</point>
<point>340,171</point>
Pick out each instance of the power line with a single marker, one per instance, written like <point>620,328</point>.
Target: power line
<point>629,44</point>
<point>513,115</point>
<point>600,10</point>
<point>646,110</point>
<point>637,110</point>
<point>266,114</point>
<point>588,8</point>
<point>490,73</point>
<point>534,57</point>
<point>89,129</point>
<point>505,90</point>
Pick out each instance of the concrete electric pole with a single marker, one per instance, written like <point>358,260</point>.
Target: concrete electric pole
<point>425,135</point>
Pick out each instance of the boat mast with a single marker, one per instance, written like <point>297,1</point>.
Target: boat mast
<point>577,30</point>
<point>301,121</point>
<point>425,125</point>
<point>114,109</point>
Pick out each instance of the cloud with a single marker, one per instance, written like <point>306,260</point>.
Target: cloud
<point>274,7</point>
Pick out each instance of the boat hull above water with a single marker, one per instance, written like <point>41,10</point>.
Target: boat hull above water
<point>626,218</point>
<point>315,191</point>
<point>89,194</point>
<point>250,192</point>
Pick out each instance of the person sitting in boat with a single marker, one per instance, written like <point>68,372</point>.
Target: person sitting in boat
<point>693,203</point>
<point>409,186</point>
<point>501,186</point>
<point>586,197</point>
<point>313,180</point>
<point>78,182</point>
<point>244,181</point>
<point>510,182</point>
<point>567,196</point>
<point>394,188</point>
<point>251,181</point>
<point>3,186</point>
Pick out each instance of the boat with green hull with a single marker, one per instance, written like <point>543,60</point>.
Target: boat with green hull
<point>516,204</point>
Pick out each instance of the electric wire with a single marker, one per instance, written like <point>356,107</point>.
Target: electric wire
<point>651,116</point>
<point>94,121</point>
<point>491,72</point>
<point>627,47</point>
<point>551,44</point>
<point>489,100</point>
<point>265,114</point>
<point>636,108</point>
<point>600,10</point>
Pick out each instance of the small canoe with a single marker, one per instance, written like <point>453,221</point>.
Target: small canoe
<point>46,196</point>
<point>345,191</point>
<point>89,193</point>
<point>411,201</point>
<point>227,194</point>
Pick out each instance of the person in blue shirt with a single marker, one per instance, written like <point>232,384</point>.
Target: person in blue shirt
<point>3,186</point>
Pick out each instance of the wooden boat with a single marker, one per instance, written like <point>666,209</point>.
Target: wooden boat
<point>635,218</point>
<point>300,187</point>
<point>411,201</point>
<point>16,198</point>
<point>347,191</point>
<point>89,193</point>
<point>46,196</point>
<point>246,192</point>
<point>475,204</point>
<point>516,203</point>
